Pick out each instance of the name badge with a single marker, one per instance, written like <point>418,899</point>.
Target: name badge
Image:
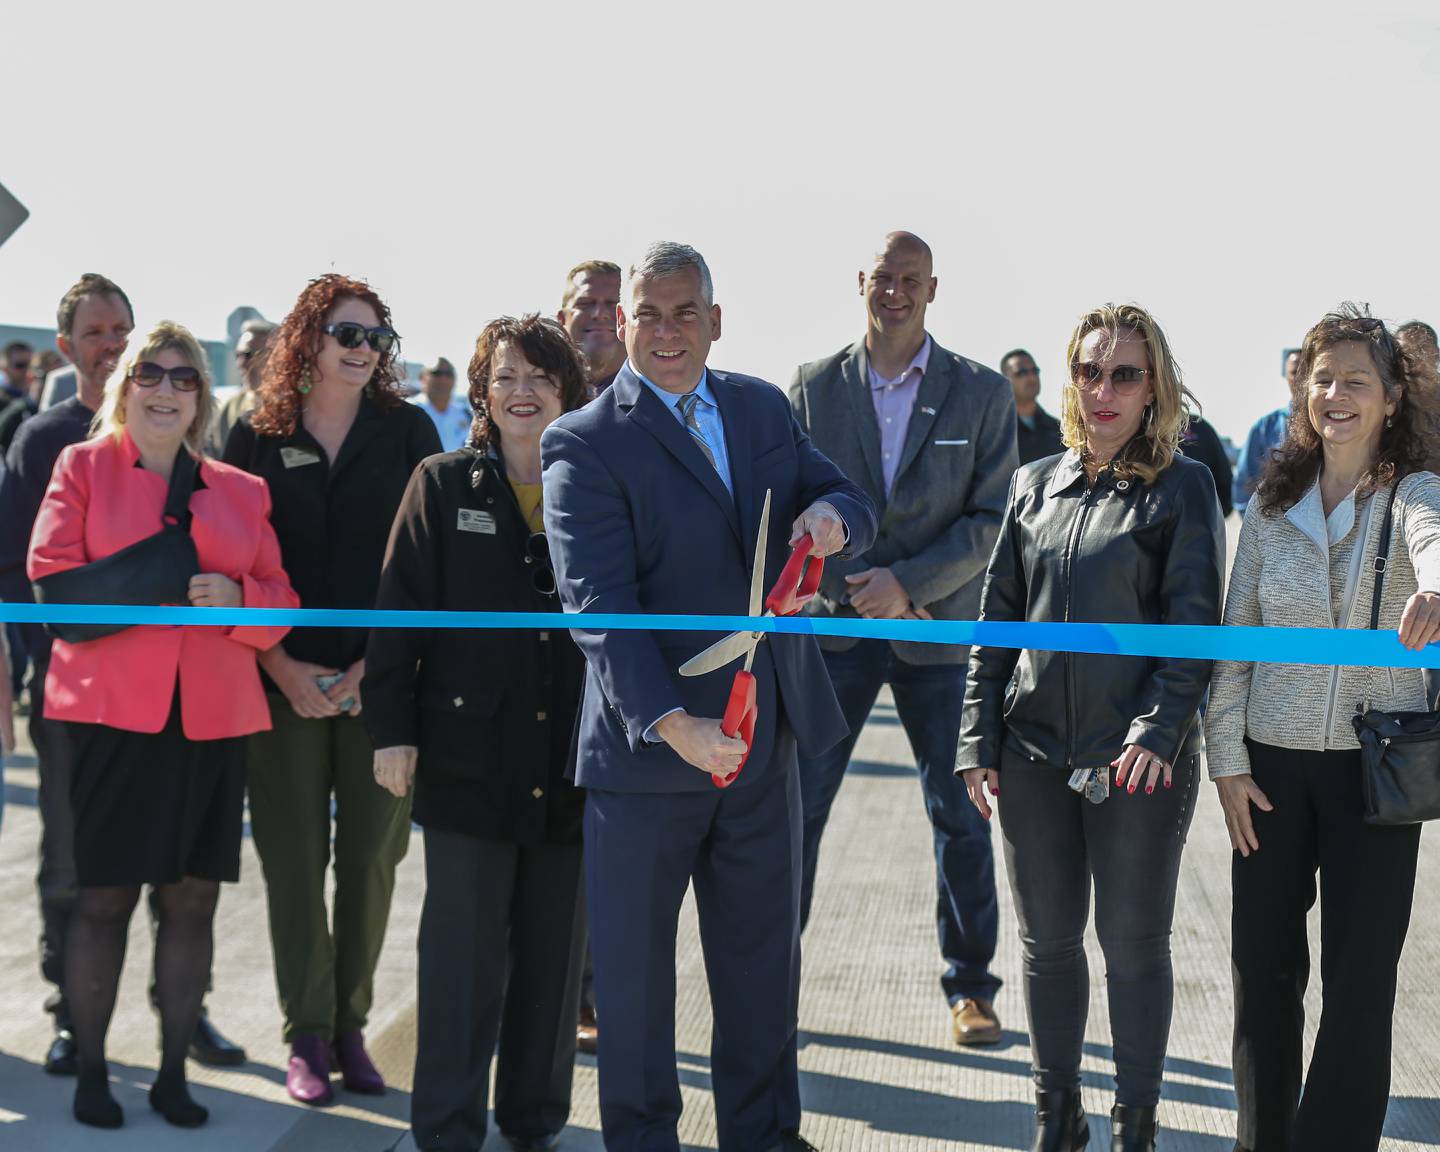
<point>298,457</point>
<point>471,521</point>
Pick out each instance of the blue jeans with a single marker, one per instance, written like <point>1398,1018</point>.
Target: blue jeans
<point>928,699</point>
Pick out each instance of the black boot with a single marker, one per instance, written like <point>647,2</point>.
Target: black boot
<point>1060,1124</point>
<point>1132,1129</point>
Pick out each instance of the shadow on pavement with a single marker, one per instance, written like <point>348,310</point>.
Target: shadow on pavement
<point>35,1115</point>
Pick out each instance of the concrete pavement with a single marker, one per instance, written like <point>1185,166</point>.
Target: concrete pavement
<point>878,1069</point>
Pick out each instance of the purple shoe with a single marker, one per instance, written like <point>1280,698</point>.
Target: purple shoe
<point>359,1070</point>
<point>308,1077</point>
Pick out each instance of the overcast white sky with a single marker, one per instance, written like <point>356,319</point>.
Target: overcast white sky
<point>1236,168</point>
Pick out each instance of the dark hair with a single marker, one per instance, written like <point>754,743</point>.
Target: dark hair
<point>542,342</point>
<point>1417,326</point>
<point>1013,353</point>
<point>294,347</point>
<point>1404,444</point>
<point>90,284</point>
<point>18,346</point>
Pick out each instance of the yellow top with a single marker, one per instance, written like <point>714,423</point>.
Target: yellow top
<point>532,507</point>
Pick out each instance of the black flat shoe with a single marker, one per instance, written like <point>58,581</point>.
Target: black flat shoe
<point>60,1059</point>
<point>173,1101</point>
<point>210,1048</point>
<point>1133,1129</point>
<point>1060,1123</point>
<point>93,1103</point>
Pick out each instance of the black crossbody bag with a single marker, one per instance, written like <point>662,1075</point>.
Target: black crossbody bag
<point>155,570</point>
<point>1399,751</point>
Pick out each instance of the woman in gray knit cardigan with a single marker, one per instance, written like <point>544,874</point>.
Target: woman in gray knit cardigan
<point>1283,753</point>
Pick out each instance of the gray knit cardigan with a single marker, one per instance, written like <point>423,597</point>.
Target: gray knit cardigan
<point>1287,575</point>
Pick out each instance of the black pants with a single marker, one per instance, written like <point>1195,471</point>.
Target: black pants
<point>1056,841</point>
<point>55,880</point>
<point>502,938</point>
<point>1367,882</point>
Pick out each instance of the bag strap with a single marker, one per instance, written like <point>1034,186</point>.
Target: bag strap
<point>1382,557</point>
<point>182,486</point>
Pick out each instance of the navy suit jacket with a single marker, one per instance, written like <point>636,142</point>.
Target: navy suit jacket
<point>638,521</point>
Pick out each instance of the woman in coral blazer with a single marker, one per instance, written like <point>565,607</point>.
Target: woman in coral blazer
<point>155,716</point>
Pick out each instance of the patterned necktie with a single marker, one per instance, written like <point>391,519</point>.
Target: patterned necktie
<point>687,410</point>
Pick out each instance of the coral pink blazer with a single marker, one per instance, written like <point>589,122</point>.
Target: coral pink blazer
<point>101,500</point>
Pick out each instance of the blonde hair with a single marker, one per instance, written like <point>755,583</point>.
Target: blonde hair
<point>1169,412</point>
<point>165,336</point>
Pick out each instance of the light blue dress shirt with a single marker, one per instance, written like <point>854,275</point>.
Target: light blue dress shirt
<point>707,415</point>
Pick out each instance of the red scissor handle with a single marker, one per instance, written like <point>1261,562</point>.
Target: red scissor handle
<point>799,580</point>
<point>739,719</point>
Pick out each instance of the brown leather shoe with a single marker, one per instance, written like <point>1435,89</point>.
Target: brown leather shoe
<point>974,1022</point>
<point>587,1032</point>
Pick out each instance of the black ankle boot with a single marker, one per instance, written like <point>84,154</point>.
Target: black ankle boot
<point>1132,1129</point>
<point>1060,1124</point>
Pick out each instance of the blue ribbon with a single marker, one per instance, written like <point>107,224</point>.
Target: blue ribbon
<point>1380,649</point>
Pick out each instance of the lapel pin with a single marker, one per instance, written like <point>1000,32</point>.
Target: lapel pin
<point>927,411</point>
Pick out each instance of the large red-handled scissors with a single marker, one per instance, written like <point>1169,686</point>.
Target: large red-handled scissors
<point>796,587</point>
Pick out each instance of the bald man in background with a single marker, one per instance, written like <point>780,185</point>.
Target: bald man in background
<point>930,438</point>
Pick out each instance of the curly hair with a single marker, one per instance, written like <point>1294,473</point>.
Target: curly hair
<point>1152,449</point>
<point>294,347</point>
<point>1405,446</point>
<point>541,341</point>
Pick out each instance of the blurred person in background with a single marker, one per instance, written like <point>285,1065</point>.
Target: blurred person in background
<point>1266,434</point>
<point>437,399</point>
<point>481,724</point>
<point>153,717</point>
<point>587,313</point>
<point>336,442</point>
<point>1418,339</point>
<point>1037,433</point>
<point>249,361</point>
<point>1201,442</point>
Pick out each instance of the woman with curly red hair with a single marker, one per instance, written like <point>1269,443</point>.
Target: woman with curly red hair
<point>337,445</point>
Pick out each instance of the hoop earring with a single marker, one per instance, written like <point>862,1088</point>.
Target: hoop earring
<point>1148,418</point>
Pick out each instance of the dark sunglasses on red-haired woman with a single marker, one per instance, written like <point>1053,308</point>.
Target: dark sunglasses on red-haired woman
<point>148,375</point>
<point>348,334</point>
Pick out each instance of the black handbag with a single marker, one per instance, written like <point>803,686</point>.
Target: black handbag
<point>1399,751</point>
<point>155,570</point>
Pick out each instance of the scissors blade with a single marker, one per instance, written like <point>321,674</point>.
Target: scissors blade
<point>720,653</point>
<point>757,574</point>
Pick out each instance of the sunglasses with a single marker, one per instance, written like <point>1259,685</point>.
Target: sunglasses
<point>182,379</point>
<point>348,334</point>
<point>537,553</point>
<point>1124,378</point>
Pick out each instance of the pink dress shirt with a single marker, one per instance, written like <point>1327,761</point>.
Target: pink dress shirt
<point>894,401</point>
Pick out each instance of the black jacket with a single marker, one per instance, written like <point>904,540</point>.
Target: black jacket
<point>1201,442</point>
<point>492,712</point>
<point>1122,552</point>
<point>1044,439</point>
<point>333,518</point>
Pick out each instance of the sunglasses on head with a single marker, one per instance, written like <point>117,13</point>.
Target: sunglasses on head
<point>1124,378</point>
<point>148,375</point>
<point>537,554</point>
<point>348,334</point>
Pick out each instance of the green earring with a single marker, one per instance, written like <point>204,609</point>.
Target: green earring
<point>305,385</point>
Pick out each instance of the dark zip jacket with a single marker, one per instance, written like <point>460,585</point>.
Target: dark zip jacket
<point>1121,551</point>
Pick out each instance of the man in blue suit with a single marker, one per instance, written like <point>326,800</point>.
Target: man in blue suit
<point>653,495</point>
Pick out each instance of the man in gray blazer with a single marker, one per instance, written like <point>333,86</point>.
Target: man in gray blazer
<point>930,437</point>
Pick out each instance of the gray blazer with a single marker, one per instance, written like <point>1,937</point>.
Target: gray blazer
<point>939,521</point>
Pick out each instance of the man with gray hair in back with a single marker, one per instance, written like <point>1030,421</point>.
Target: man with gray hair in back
<point>249,363</point>
<point>654,498</point>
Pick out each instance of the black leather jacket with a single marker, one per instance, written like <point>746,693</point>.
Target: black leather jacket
<point>1120,552</point>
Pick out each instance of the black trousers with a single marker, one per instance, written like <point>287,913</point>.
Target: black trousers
<point>1367,882</point>
<point>1056,844</point>
<point>56,881</point>
<point>502,940</point>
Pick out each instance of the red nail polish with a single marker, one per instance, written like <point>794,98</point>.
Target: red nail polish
<point>1131,789</point>
<point>1149,788</point>
<point>1167,783</point>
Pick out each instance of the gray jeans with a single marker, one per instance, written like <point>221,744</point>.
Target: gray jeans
<point>1056,843</point>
